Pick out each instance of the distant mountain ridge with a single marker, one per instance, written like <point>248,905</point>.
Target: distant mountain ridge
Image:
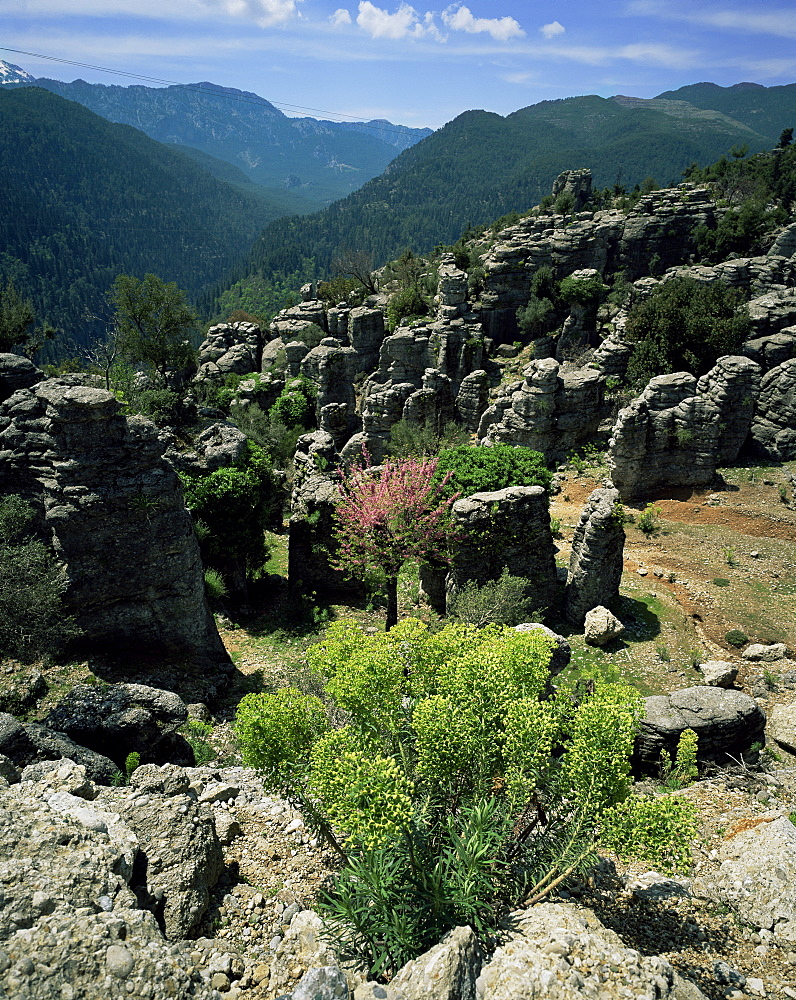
<point>321,160</point>
<point>85,199</point>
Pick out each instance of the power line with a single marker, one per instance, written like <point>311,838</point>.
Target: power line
<point>241,98</point>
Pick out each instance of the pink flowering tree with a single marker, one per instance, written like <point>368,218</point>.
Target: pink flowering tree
<point>389,515</point>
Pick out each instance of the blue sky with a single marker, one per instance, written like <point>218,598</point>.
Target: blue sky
<point>411,63</point>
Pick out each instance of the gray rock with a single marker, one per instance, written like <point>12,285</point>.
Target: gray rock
<point>726,722</point>
<point>230,348</point>
<point>719,673</point>
<point>17,372</point>
<point>326,983</point>
<point>773,429</point>
<point>494,529</point>
<point>227,827</point>
<point>26,744</point>
<point>596,561</point>
<point>781,726</point>
<point>21,690</point>
<point>678,430</point>
<point>115,512</point>
<point>601,626</point>
<point>180,857</point>
<point>448,971</point>
<point>757,878</point>
<point>540,960</point>
<point>8,770</point>
<point>217,446</point>
<point>119,719</point>
<point>759,652</point>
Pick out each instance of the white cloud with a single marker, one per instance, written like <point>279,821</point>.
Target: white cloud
<point>340,17</point>
<point>265,12</point>
<point>552,29</point>
<point>404,23</point>
<point>780,22</point>
<point>500,28</point>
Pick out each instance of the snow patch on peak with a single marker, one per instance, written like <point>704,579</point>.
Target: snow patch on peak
<point>14,74</point>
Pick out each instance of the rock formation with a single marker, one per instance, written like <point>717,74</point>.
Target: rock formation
<point>114,510</point>
<point>680,428</point>
<point>507,529</point>
<point>230,349</point>
<point>726,722</point>
<point>595,565</point>
<point>773,430</point>
<point>553,410</point>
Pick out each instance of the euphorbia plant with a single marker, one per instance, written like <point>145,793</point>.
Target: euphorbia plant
<point>389,515</point>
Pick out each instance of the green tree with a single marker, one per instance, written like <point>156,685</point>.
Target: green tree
<point>17,319</point>
<point>32,620</point>
<point>232,508</point>
<point>785,139</point>
<point>154,322</point>
<point>685,325</point>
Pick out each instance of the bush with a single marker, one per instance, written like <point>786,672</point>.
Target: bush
<point>735,637</point>
<point>295,406</point>
<point>32,621</point>
<point>502,602</point>
<point>409,303</point>
<point>454,791</point>
<point>163,407</point>
<point>236,505</point>
<point>409,438</point>
<point>476,470</point>
<point>685,325</point>
<point>649,520</point>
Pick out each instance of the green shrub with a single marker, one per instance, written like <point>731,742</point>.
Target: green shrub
<point>409,303</point>
<point>215,588</point>
<point>162,406</point>
<point>503,602</point>
<point>295,406</point>
<point>454,791</point>
<point>721,582</point>
<point>477,470</point>
<point>649,519</point>
<point>409,438</point>
<point>654,830</point>
<point>236,505</point>
<point>195,732</point>
<point>735,637</point>
<point>685,325</point>
<point>32,620</point>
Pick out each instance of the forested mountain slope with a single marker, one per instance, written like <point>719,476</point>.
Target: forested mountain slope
<point>481,166</point>
<point>85,199</point>
<point>321,160</point>
<point>768,110</point>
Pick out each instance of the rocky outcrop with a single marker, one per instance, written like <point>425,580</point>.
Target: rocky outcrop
<point>451,298</point>
<point>773,349</point>
<point>114,510</point>
<point>562,951</point>
<point>493,530</point>
<point>595,565</point>
<point>756,878</point>
<point>76,874</point>
<point>679,429</point>
<point>574,182</point>
<point>773,432</point>
<point>230,349</point>
<point>28,743</point>
<point>772,312</point>
<point>473,399</point>
<point>17,373</point>
<point>305,322</point>
<point>553,410</point>
<point>218,445</point>
<point>727,723</point>
<point>331,368</point>
<point>118,719</point>
<point>366,333</point>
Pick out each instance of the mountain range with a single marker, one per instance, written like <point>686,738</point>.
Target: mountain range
<point>319,160</point>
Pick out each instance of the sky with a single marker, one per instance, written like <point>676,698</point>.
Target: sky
<point>412,64</point>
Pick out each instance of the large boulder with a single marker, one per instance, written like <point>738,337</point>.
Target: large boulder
<point>119,719</point>
<point>559,951</point>
<point>756,878</point>
<point>26,743</point>
<point>773,430</point>
<point>727,723</point>
<point>17,372</point>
